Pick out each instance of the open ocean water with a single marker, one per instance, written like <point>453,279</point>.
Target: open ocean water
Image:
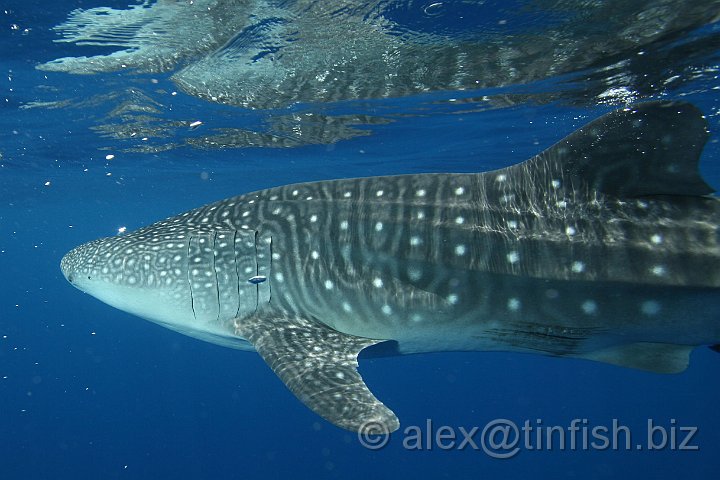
<point>160,107</point>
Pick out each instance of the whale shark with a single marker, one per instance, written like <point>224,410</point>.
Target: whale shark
<point>603,247</point>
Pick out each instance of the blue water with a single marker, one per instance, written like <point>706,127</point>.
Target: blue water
<point>87,391</point>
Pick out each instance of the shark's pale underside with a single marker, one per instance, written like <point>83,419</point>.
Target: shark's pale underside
<point>603,247</point>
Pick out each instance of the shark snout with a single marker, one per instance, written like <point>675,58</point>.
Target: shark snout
<point>80,262</point>
<point>65,268</point>
<point>68,268</point>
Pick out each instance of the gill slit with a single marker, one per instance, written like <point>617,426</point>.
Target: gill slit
<point>192,299</point>
<point>237,273</point>
<point>257,272</point>
<point>270,271</point>
<point>217,282</point>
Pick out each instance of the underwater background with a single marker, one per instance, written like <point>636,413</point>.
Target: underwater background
<point>116,114</point>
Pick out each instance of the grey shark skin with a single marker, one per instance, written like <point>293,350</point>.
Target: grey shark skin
<point>603,247</point>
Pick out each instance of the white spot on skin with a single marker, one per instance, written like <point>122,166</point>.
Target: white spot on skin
<point>657,239</point>
<point>279,277</point>
<point>421,192</point>
<point>512,224</point>
<point>315,255</point>
<point>459,220</point>
<point>377,282</point>
<point>460,250</point>
<point>501,178</point>
<point>379,193</point>
<point>459,191</point>
<point>513,304</point>
<point>416,317</point>
<point>344,225</point>
<point>513,257</point>
<point>453,299</point>
<point>347,194</point>
<point>346,306</point>
<point>658,270</point>
<point>313,218</point>
<point>578,267</point>
<point>328,285</point>
<point>378,227</point>
<point>415,241</point>
<point>570,231</point>
<point>420,215</point>
<point>414,274</point>
<point>650,307</point>
<point>386,309</point>
<point>555,184</point>
<point>589,307</point>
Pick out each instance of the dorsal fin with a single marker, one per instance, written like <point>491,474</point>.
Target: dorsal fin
<point>652,148</point>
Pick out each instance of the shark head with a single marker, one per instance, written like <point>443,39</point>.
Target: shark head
<point>172,278</point>
<point>123,272</point>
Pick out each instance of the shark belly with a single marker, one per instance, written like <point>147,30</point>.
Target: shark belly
<point>489,311</point>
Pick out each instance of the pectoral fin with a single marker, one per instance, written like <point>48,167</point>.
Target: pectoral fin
<point>319,365</point>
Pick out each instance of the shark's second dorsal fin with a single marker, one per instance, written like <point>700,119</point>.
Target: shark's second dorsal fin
<point>651,357</point>
<point>652,148</point>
